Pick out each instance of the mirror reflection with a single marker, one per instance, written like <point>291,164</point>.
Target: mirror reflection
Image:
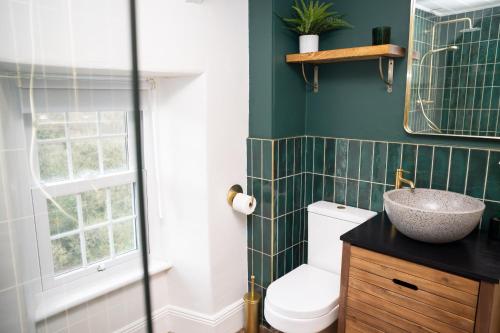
<point>454,69</point>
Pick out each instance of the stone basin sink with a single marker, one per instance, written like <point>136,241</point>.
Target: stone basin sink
<point>433,216</point>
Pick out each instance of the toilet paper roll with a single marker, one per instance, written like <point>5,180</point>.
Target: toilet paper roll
<point>244,204</point>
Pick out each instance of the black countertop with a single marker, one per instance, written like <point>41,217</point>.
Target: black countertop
<point>476,256</point>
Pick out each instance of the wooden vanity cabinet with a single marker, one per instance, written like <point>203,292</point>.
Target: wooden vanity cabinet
<point>380,293</point>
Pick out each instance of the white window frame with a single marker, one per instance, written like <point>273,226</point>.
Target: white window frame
<point>49,278</point>
<point>79,185</point>
<point>94,94</point>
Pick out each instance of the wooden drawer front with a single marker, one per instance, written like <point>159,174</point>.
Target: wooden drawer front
<point>407,296</point>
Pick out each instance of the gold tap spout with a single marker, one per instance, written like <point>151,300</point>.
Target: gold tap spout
<point>400,180</point>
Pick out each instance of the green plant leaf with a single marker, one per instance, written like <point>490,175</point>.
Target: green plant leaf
<point>314,18</point>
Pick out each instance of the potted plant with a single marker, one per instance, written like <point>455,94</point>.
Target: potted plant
<point>311,19</point>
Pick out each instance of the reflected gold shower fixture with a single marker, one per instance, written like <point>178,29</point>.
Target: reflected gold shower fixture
<point>469,28</point>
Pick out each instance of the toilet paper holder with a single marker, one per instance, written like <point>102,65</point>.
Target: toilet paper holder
<point>233,190</point>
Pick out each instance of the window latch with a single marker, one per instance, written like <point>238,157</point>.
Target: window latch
<point>101,268</point>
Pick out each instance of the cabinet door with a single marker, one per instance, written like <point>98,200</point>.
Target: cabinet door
<point>393,295</point>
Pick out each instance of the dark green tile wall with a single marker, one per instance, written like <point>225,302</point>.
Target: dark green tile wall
<point>286,175</point>
<point>277,229</point>
<point>363,170</point>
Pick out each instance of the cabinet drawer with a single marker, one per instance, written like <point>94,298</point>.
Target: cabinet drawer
<point>410,294</point>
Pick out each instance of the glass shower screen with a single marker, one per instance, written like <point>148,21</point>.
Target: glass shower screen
<point>71,210</point>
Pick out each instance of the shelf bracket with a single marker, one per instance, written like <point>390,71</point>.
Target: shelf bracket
<point>390,73</point>
<point>315,84</point>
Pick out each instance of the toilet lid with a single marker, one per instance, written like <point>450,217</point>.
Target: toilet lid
<point>304,293</point>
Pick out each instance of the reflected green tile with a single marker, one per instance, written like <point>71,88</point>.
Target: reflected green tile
<point>393,161</point>
<point>257,158</point>
<point>275,158</point>
<point>409,159</point>
<point>266,198</point>
<point>290,156</point>
<point>352,193</point>
<point>296,256</point>
<point>309,189</point>
<point>297,220</point>
<point>266,235</point>
<point>340,190</point>
<point>281,233</point>
<point>257,193</point>
<point>289,194</point>
<point>440,168</point>
<point>280,264</point>
<point>341,158</point>
<point>319,155</point>
<point>297,195</point>
<point>328,190</point>
<point>288,260</point>
<point>297,143</point>
<point>424,167</point>
<point>365,190</point>
<point>249,231</point>
<point>379,162</point>
<point>289,230</point>
<point>249,157</point>
<point>458,170</point>
<point>309,154</point>
<point>267,159</point>
<point>493,184</point>
<point>256,267</point>
<point>476,173</point>
<point>281,159</point>
<point>257,233</point>
<point>330,157</point>
<point>317,188</point>
<point>353,156</point>
<point>377,199</point>
<point>266,271</point>
<point>365,170</point>
<point>281,209</point>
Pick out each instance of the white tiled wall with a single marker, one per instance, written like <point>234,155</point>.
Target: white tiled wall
<point>19,266</point>
<point>19,280</point>
<point>107,313</point>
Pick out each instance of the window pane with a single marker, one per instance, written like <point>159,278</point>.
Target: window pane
<point>97,242</point>
<point>62,220</point>
<point>66,253</point>
<point>113,122</point>
<point>53,161</point>
<point>114,153</point>
<point>94,207</point>
<point>50,126</point>
<point>121,201</point>
<point>85,158</point>
<point>82,124</point>
<point>124,236</point>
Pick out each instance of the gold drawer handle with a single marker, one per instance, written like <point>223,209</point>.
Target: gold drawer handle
<point>405,284</point>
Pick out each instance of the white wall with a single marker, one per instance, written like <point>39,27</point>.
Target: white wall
<point>202,120</point>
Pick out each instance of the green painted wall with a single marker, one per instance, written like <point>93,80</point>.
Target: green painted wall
<point>277,94</point>
<point>352,101</point>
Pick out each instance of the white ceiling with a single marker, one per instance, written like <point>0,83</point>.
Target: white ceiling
<point>448,7</point>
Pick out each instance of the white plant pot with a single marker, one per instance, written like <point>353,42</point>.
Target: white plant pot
<point>309,43</point>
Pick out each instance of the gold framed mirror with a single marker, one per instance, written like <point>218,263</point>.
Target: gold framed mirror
<point>453,73</point>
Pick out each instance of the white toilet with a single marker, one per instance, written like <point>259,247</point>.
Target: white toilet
<point>306,300</point>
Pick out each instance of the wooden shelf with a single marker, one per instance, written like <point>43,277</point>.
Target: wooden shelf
<point>348,54</point>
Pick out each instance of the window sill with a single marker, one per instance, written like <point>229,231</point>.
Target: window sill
<point>56,300</point>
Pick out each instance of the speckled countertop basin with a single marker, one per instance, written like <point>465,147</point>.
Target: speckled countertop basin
<point>433,216</point>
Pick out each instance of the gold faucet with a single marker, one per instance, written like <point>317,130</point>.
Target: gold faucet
<point>400,180</point>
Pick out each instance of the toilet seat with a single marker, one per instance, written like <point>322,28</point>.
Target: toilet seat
<point>304,300</point>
